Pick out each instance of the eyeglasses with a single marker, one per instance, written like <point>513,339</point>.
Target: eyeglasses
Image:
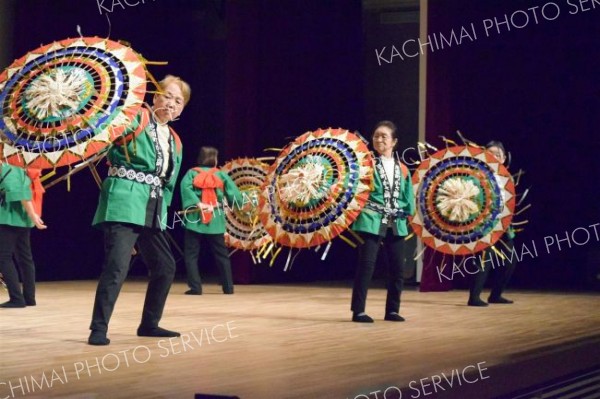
<point>382,136</point>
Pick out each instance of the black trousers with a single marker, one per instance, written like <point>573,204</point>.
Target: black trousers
<point>500,270</point>
<point>393,247</point>
<point>14,241</point>
<point>119,239</point>
<point>216,244</point>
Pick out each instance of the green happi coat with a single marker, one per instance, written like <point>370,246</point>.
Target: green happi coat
<point>15,186</point>
<point>191,195</point>
<point>128,201</point>
<point>369,221</point>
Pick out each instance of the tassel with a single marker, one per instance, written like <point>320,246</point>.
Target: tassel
<point>155,62</point>
<point>126,151</point>
<point>420,253</point>
<point>95,175</point>
<point>523,197</point>
<point>520,223</point>
<point>448,141</point>
<point>275,256</point>
<point>326,250</point>
<point>429,146</point>
<point>48,175</point>
<point>287,262</point>
<point>346,240</point>
<point>153,80</point>
<point>258,259</point>
<point>523,210</point>
<point>356,236</point>
<point>466,141</point>
<point>518,176</point>
<point>261,249</point>
<point>69,180</point>
<point>270,247</point>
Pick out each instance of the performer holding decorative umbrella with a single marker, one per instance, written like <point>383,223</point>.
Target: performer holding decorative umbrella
<point>59,104</point>
<point>466,201</point>
<point>133,203</point>
<point>383,220</point>
<point>66,101</point>
<point>501,274</point>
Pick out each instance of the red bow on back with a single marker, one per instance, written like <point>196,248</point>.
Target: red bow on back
<point>207,181</point>
<point>37,190</point>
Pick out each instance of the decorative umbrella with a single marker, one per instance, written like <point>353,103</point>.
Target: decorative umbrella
<point>465,199</point>
<point>316,188</point>
<point>65,101</point>
<point>244,230</point>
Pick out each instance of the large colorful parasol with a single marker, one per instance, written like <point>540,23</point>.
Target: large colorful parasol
<point>244,230</point>
<point>316,187</point>
<point>66,101</point>
<point>465,200</point>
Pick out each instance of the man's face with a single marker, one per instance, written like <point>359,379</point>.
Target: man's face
<point>168,106</point>
<point>383,140</point>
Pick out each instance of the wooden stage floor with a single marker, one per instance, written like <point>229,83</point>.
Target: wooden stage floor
<point>280,341</point>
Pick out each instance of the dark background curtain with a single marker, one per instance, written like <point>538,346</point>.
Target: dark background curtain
<point>537,90</point>
<point>263,72</point>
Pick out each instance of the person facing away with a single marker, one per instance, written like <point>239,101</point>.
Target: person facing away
<point>203,190</point>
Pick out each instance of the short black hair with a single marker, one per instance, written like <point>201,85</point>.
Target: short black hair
<point>207,156</point>
<point>390,125</point>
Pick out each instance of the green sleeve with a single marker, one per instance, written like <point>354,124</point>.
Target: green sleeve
<point>189,195</point>
<point>16,185</point>
<point>233,194</point>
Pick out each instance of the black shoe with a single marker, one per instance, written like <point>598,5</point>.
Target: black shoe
<point>11,304</point>
<point>228,292</point>
<point>98,338</point>
<point>477,302</point>
<point>156,332</point>
<point>193,292</point>
<point>500,299</point>
<point>362,318</point>
<point>393,317</point>
<point>30,302</point>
